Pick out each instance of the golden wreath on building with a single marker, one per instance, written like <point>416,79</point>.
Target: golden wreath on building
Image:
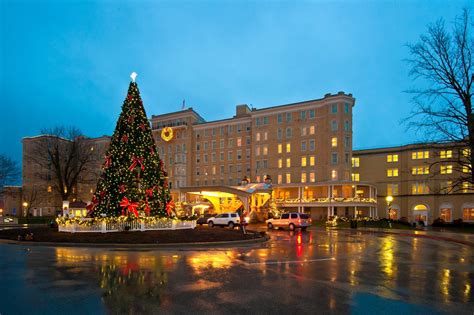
<point>167,134</point>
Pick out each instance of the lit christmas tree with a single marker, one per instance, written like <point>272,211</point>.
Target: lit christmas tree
<point>133,181</point>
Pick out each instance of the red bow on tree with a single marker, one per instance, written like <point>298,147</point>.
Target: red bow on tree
<point>169,207</point>
<point>108,161</point>
<point>130,206</point>
<point>90,207</point>
<point>147,208</point>
<point>129,96</point>
<point>125,138</point>
<point>130,119</point>
<point>149,192</point>
<point>122,188</point>
<point>135,162</point>
<point>142,126</point>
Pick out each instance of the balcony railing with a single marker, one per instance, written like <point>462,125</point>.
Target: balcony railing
<point>326,200</point>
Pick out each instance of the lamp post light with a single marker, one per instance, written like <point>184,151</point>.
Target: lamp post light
<point>25,208</point>
<point>389,200</point>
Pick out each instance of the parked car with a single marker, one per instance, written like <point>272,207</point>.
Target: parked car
<point>229,219</point>
<point>203,218</point>
<point>8,220</point>
<point>291,220</point>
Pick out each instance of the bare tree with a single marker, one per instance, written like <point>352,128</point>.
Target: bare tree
<point>64,156</point>
<point>442,60</point>
<point>32,197</point>
<point>9,171</point>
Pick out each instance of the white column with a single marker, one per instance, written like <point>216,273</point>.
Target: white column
<point>355,212</point>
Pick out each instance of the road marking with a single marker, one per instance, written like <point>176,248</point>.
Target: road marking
<point>290,261</point>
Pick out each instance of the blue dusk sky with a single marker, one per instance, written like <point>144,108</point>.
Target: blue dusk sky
<point>68,62</point>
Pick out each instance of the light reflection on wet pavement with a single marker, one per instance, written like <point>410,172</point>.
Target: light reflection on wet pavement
<point>306,272</point>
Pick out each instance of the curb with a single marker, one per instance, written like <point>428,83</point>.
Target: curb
<point>437,238</point>
<point>140,246</point>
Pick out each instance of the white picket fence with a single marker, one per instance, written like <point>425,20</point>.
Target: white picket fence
<point>105,227</point>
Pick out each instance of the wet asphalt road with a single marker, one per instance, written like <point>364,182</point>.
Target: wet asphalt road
<point>311,272</point>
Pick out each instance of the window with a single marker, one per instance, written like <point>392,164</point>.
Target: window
<point>288,132</point>
<point>213,157</point>
<point>303,177</point>
<point>239,141</point>
<point>334,125</point>
<point>279,118</point>
<point>334,158</point>
<point>312,113</point>
<point>230,129</point>
<point>213,131</point>
<point>355,177</point>
<point>346,108</point>
<point>214,144</point>
<point>392,172</point>
<point>311,130</point>
<point>303,131</point>
<point>222,169</point>
<point>205,159</point>
<point>198,146</point>
<point>466,169</point>
<point>311,145</point>
<point>247,154</point>
<point>446,169</point>
<point>303,115</point>
<point>392,189</point>
<point>239,154</point>
<point>420,170</point>
<point>258,164</point>
<point>198,158</point>
<point>288,117</point>
<point>265,149</point>
<point>303,161</point>
<point>446,187</point>
<point>213,169</point>
<point>280,179</point>
<point>445,214</point>
<point>257,150</point>
<point>311,160</point>
<point>468,214</point>
<point>280,163</point>
<point>346,142</point>
<point>279,133</point>
<point>346,125</point>
<point>231,143</point>
<point>420,155</point>
<point>391,158</point>
<point>280,148</point>
<point>50,189</point>
<point>466,187</point>
<point>247,140</point>
<point>419,189</point>
<point>288,162</point>
<point>221,144</point>
<point>446,154</point>
<point>355,162</point>
<point>265,163</point>
<point>257,136</point>
<point>303,145</point>
<point>333,174</point>
<point>265,120</point>
<point>265,136</point>
<point>312,177</point>
<point>466,152</point>
<point>288,147</point>
<point>257,121</point>
<point>205,145</point>
<point>334,108</point>
<point>288,178</point>
<point>334,142</point>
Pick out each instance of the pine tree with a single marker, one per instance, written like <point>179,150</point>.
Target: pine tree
<point>133,180</point>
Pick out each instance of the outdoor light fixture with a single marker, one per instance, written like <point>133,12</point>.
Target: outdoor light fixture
<point>389,200</point>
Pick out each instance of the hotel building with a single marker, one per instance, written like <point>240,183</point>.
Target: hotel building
<point>306,150</point>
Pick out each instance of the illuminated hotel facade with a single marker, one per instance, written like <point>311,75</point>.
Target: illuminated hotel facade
<point>306,150</point>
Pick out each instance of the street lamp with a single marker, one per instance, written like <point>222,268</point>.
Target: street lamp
<point>389,200</point>
<point>25,205</point>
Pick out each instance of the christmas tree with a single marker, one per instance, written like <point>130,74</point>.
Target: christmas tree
<point>133,181</point>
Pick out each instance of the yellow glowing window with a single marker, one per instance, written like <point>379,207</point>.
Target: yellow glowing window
<point>420,155</point>
<point>303,177</point>
<point>288,178</point>
<point>466,187</point>
<point>280,179</point>
<point>355,177</point>
<point>280,148</point>
<point>333,174</point>
<point>446,154</point>
<point>392,158</point>
<point>257,136</point>
<point>303,161</point>
<point>466,152</point>
<point>446,169</point>
<point>288,147</point>
<point>419,189</point>
<point>288,162</point>
<point>239,141</point>
<point>420,170</point>
<point>468,214</point>
<point>50,189</point>
<point>312,177</point>
<point>392,172</point>
<point>265,149</point>
<point>334,142</point>
<point>355,162</point>
<point>466,169</point>
<point>280,163</point>
<point>392,189</point>
<point>311,160</point>
<point>311,130</point>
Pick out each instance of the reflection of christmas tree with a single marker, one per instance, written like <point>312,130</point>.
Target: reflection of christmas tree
<point>133,179</point>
